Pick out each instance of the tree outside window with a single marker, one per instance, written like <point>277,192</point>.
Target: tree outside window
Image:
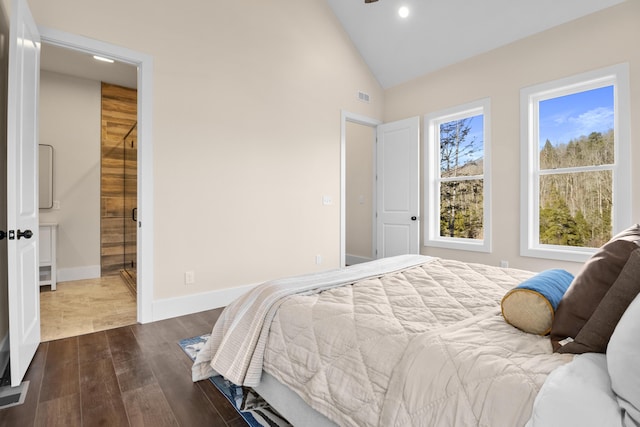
<point>457,191</point>
<point>576,158</point>
<point>576,171</point>
<point>461,178</point>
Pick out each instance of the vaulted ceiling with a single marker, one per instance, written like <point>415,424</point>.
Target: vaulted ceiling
<point>437,33</point>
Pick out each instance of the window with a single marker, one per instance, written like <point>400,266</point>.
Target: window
<point>575,167</point>
<point>457,183</point>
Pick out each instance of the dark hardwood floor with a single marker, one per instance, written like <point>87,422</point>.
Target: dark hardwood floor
<point>131,376</point>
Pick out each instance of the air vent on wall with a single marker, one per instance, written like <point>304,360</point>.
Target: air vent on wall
<point>363,96</point>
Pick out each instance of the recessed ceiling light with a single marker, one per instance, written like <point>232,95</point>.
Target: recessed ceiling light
<point>103,59</point>
<point>403,11</point>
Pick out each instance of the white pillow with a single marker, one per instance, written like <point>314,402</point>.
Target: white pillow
<point>623,363</point>
<point>577,394</point>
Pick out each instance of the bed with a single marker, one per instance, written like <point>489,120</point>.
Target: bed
<point>402,341</point>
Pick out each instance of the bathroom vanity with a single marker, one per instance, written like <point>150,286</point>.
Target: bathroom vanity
<point>48,237</point>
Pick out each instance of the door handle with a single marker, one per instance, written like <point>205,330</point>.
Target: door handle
<point>134,214</point>
<point>413,218</point>
<point>3,234</point>
<point>27,234</point>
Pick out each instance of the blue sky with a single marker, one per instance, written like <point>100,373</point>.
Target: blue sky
<point>571,116</point>
<point>475,135</point>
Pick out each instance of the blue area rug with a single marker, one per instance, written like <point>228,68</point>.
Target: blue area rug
<point>253,408</point>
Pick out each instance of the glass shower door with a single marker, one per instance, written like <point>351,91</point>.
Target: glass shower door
<point>130,195</point>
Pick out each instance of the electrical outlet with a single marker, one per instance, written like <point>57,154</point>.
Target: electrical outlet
<point>189,278</point>
<point>504,264</point>
<point>318,259</point>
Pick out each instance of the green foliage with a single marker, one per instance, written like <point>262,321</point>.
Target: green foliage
<point>576,207</point>
<point>557,225</point>
<point>461,209</point>
<point>593,150</point>
<point>461,201</point>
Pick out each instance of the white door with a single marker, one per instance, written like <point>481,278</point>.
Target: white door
<point>22,190</point>
<point>398,188</point>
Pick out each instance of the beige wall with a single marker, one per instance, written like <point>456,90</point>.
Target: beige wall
<point>70,122</point>
<point>246,126</point>
<point>599,40</point>
<point>246,130</point>
<point>360,140</point>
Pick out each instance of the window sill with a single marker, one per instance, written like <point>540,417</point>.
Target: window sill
<point>558,253</point>
<point>459,244</point>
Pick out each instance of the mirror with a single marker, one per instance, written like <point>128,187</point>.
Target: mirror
<point>45,177</point>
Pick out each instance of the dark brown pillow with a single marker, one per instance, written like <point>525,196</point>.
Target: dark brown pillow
<point>591,284</point>
<point>595,334</point>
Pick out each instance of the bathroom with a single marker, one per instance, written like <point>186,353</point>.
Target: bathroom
<point>88,114</point>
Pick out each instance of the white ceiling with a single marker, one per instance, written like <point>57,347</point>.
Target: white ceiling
<point>438,33</point>
<point>79,64</point>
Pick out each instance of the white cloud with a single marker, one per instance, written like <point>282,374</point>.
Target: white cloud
<point>597,120</point>
<point>560,119</point>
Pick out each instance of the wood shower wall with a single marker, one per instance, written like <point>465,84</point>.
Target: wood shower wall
<point>119,114</point>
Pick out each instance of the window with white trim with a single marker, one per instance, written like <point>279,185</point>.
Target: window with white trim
<point>457,186</point>
<point>575,166</point>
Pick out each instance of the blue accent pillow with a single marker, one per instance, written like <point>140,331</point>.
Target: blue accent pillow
<point>531,305</point>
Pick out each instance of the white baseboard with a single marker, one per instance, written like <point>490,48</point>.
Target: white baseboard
<point>189,304</point>
<point>78,273</point>
<point>356,259</point>
<point>4,353</point>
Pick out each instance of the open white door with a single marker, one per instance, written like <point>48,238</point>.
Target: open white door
<point>22,190</point>
<point>398,188</point>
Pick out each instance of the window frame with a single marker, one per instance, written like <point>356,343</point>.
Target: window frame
<point>432,178</point>
<point>530,97</point>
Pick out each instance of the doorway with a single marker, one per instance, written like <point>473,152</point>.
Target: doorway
<point>397,185</point>
<point>355,131</point>
<point>360,193</point>
<point>94,181</point>
<point>22,130</point>
<point>144,211</point>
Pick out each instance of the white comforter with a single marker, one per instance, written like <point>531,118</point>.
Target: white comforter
<point>424,346</point>
<point>236,346</point>
<point>481,372</point>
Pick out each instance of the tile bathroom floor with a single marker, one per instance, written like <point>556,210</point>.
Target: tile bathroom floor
<point>84,306</point>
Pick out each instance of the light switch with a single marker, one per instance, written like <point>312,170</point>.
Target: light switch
<point>327,200</point>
